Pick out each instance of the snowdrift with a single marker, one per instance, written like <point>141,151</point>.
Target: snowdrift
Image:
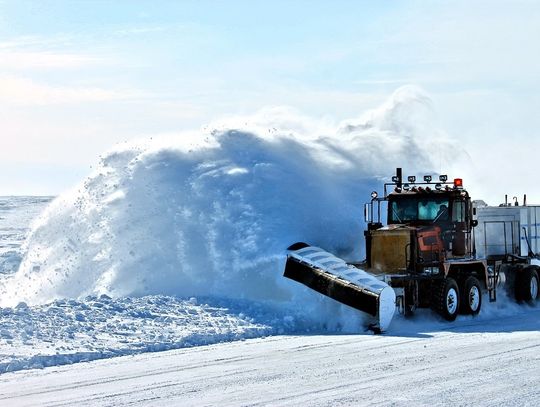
<point>210,213</point>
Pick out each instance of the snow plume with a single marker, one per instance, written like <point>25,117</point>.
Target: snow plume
<point>210,213</point>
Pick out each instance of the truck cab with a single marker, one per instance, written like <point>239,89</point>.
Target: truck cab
<point>427,224</point>
<point>447,210</point>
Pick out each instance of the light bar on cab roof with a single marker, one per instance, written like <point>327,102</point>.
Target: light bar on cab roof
<point>443,178</point>
<point>427,178</point>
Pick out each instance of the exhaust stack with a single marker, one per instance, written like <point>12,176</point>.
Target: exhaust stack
<point>331,276</point>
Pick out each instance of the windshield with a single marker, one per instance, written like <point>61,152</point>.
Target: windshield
<point>407,209</point>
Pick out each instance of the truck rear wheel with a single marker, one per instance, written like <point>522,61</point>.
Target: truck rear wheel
<point>526,285</point>
<point>471,296</point>
<point>445,298</point>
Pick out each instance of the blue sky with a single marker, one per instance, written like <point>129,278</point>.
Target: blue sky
<point>78,76</point>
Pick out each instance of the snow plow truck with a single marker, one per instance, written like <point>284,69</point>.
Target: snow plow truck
<point>429,245</point>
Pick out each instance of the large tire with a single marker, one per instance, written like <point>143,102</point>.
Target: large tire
<point>526,285</point>
<point>471,296</point>
<point>445,298</point>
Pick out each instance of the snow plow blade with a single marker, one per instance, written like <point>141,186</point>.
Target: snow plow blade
<point>331,276</point>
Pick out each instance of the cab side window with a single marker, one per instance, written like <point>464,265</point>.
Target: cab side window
<point>458,211</point>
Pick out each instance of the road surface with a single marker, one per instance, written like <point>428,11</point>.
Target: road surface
<point>488,362</point>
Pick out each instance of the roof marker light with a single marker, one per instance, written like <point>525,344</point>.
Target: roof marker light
<point>395,179</point>
<point>438,187</point>
<point>427,178</point>
<point>406,187</point>
<point>458,183</point>
<point>443,178</point>
<point>411,178</point>
<point>374,195</point>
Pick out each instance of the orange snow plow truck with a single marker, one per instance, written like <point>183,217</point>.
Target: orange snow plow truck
<point>428,245</point>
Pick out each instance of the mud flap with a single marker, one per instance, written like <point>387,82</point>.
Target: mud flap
<point>331,276</point>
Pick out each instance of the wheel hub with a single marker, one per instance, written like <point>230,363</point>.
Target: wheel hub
<point>534,288</point>
<point>474,298</point>
<point>452,301</point>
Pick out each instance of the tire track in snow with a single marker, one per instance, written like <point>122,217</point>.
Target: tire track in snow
<point>213,362</point>
<point>366,384</point>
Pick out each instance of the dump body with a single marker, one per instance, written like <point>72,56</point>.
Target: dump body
<point>507,230</point>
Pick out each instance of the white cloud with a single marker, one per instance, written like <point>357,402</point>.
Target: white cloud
<point>12,60</point>
<point>20,91</point>
<point>25,41</point>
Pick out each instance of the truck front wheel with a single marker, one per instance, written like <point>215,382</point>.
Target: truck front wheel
<point>526,285</point>
<point>445,298</point>
<point>471,296</point>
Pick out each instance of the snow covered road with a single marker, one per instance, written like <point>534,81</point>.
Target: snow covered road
<point>472,362</point>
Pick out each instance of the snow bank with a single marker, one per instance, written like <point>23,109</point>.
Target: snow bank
<point>70,331</point>
<point>210,213</point>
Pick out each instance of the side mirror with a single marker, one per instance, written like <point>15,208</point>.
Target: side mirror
<point>474,223</point>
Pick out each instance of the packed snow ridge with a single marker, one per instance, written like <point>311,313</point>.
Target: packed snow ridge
<point>70,331</point>
<point>210,213</point>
